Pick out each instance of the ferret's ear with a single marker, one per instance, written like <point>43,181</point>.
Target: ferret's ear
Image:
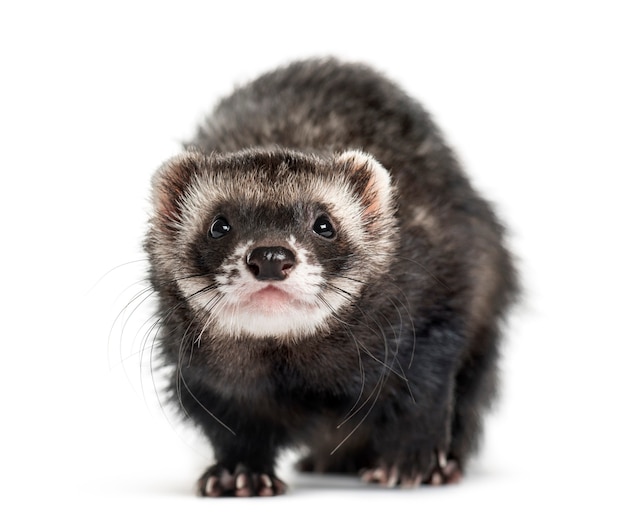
<point>370,179</point>
<point>169,184</point>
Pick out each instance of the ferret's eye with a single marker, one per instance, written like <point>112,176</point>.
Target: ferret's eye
<point>219,228</point>
<point>324,228</point>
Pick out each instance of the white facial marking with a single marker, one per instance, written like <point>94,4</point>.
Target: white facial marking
<point>231,301</point>
<point>242,305</point>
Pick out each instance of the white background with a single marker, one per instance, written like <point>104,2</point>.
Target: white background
<point>94,96</point>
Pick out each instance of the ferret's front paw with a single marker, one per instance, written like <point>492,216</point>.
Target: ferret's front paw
<point>439,470</point>
<point>219,481</point>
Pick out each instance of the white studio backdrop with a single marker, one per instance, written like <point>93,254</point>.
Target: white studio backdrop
<point>94,96</point>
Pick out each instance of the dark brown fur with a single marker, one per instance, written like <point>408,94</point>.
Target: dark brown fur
<point>396,382</point>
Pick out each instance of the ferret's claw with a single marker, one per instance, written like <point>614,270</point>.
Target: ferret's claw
<point>443,471</point>
<point>218,481</point>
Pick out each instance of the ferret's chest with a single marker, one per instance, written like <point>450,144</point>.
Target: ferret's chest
<point>330,368</point>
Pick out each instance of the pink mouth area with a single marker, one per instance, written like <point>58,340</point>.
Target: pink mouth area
<point>270,299</point>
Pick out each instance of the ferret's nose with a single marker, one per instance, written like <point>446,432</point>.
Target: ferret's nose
<point>270,263</point>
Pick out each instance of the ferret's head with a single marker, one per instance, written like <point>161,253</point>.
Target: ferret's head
<point>271,244</point>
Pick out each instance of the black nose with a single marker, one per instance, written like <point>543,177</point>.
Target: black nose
<point>270,263</point>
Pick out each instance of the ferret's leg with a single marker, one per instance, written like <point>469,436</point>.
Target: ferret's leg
<point>244,467</point>
<point>412,430</point>
<point>476,385</point>
<point>244,444</point>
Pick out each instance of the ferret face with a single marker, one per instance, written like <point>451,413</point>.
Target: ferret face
<point>273,244</point>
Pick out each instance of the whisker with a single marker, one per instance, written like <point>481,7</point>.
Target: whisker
<point>188,341</point>
<point>368,326</point>
<point>179,371</point>
<point>374,396</point>
<point>114,269</point>
<point>203,407</point>
<point>211,306</point>
<point>389,364</point>
<point>142,296</point>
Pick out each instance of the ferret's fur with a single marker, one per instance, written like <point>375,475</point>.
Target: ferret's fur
<point>328,279</point>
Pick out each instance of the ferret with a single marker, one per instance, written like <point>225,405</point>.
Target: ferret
<point>327,280</point>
